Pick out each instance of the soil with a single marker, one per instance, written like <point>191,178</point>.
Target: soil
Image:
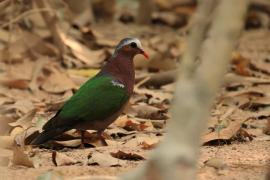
<point>243,161</point>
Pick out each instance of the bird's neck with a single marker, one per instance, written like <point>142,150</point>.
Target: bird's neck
<point>121,67</point>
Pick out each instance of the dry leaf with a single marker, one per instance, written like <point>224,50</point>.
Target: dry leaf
<point>20,107</point>
<point>84,72</point>
<point>159,95</point>
<point>147,146</point>
<point>141,139</point>
<point>16,50</point>
<point>25,137</point>
<point>228,130</point>
<point>241,65</point>
<point>21,157</point>
<point>34,84</point>
<point>5,100</point>
<point>145,111</point>
<point>104,160</point>
<point>25,121</point>
<point>131,124</point>
<point>89,57</point>
<point>69,143</point>
<point>6,142</point>
<point>117,132</point>
<point>58,82</point>
<point>60,159</point>
<point>15,131</point>
<point>15,83</point>
<point>122,121</point>
<point>127,156</point>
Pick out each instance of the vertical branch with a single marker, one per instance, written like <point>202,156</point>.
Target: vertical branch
<point>104,10</point>
<point>51,21</point>
<point>195,90</point>
<point>145,10</point>
<point>200,24</point>
<point>82,9</point>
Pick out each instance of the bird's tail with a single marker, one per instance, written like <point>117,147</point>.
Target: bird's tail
<point>47,135</point>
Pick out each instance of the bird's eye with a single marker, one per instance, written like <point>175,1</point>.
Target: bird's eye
<point>133,45</point>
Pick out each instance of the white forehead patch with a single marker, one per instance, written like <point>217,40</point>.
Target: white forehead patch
<point>116,83</point>
<point>129,41</point>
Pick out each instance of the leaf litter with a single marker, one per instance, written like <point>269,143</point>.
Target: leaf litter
<point>36,81</point>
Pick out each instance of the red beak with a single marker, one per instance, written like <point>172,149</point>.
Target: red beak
<point>144,54</point>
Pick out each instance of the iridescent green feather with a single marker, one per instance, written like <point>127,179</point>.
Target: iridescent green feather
<point>97,99</point>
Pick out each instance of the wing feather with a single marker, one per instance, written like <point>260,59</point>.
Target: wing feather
<point>97,99</point>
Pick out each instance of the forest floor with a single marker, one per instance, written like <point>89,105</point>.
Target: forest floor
<point>243,160</point>
<point>36,80</point>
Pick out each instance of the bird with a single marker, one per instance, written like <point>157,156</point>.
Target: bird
<point>101,99</point>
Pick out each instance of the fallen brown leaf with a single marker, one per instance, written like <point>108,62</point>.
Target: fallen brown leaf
<point>21,157</point>
<point>89,57</point>
<point>241,65</point>
<point>25,121</point>
<point>15,83</point>
<point>141,139</point>
<point>60,159</point>
<point>57,82</point>
<point>146,111</point>
<point>104,160</point>
<point>6,142</point>
<point>148,146</point>
<point>127,156</point>
<point>118,132</point>
<point>226,131</point>
<point>22,106</point>
<point>26,136</point>
<point>69,143</point>
<point>156,94</point>
<point>131,124</point>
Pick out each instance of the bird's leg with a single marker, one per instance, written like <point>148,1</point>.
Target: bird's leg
<point>82,139</point>
<point>101,138</point>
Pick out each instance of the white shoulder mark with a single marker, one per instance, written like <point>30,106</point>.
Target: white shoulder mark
<point>116,83</point>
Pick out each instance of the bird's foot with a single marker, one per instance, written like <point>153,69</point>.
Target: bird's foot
<point>103,142</point>
<point>102,138</point>
<point>82,139</point>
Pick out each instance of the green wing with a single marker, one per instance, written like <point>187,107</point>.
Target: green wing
<point>97,99</point>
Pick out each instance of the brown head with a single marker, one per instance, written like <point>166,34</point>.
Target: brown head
<point>130,47</point>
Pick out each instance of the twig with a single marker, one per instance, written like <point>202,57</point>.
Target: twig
<point>25,14</point>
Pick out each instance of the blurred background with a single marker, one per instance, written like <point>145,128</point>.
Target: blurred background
<point>48,48</point>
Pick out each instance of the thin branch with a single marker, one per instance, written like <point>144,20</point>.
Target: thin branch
<point>176,156</point>
<point>51,21</point>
